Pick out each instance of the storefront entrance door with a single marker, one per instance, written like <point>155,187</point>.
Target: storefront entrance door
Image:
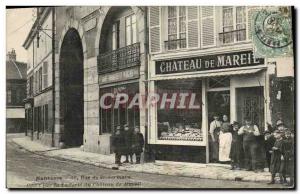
<point>250,104</point>
<point>218,105</point>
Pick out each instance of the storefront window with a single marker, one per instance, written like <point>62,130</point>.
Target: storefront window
<point>179,117</point>
<point>123,114</point>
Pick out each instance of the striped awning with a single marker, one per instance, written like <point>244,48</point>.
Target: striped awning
<point>210,74</point>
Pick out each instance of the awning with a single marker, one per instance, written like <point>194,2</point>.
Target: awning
<point>210,74</point>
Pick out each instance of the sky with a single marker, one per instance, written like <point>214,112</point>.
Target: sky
<point>18,25</point>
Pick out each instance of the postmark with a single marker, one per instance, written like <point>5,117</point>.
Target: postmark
<point>272,32</point>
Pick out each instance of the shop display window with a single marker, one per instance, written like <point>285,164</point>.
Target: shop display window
<point>181,121</point>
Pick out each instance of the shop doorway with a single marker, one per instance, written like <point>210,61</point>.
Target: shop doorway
<point>218,104</point>
<point>71,89</point>
<point>250,103</point>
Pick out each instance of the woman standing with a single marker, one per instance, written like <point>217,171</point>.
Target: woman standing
<point>225,140</point>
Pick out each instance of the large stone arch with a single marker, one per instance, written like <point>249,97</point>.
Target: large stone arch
<point>59,117</point>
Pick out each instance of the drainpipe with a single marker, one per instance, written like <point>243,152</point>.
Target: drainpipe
<point>53,77</point>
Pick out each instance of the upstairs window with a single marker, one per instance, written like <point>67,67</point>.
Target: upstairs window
<point>45,74</point>
<point>234,24</point>
<point>116,35</point>
<point>176,28</point>
<point>131,34</point>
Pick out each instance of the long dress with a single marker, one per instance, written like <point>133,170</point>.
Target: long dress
<point>276,164</point>
<point>225,140</point>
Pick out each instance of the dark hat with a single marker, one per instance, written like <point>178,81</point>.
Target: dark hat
<point>267,132</point>
<point>126,125</point>
<point>235,123</point>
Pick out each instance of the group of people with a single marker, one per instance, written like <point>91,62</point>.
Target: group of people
<point>246,147</point>
<point>127,142</point>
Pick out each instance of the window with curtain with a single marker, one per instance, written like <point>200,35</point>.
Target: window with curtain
<point>234,24</point>
<point>176,27</point>
<point>131,34</point>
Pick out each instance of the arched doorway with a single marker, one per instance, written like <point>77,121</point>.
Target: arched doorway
<point>71,88</point>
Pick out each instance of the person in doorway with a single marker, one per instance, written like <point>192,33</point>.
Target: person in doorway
<point>128,143</point>
<point>250,144</point>
<point>137,144</point>
<point>236,147</point>
<point>118,144</point>
<point>277,157</point>
<point>214,131</point>
<point>225,139</point>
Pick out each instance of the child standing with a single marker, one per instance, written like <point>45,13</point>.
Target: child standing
<point>236,147</point>
<point>288,154</point>
<point>137,144</point>
<point>118,145</point>
<point>128,143</point>
<point>269,143</point>
<point>277,157</point>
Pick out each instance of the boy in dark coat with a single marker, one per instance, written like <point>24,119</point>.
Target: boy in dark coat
<point>128,144</point>
<point>236,147</point>
<point>277,157</point>
<point>269,143</point>
<point>288,154</point>
<point>137,144</point>
<point>118,144</point>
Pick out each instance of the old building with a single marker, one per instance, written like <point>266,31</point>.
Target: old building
<point>78,55</point>
<point>206,51</point>
<point>96,49</point>
<point>39,99</point>
<point>15,93</point>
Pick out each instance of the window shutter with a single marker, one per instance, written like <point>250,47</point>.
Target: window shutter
<point>154,29</point>
<point>208,26</point>
<point>193,27</point>
<point>251,11</point>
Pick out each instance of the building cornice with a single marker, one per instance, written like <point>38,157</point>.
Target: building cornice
<point>32,33</point>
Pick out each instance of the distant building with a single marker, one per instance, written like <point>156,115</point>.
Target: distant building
<point>15,93</point>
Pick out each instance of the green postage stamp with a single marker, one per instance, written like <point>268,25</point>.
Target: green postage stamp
<point>272,32</point>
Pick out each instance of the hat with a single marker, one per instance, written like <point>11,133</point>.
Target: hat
<point>267,132</point>
<point>235,123</point>
<point>279,122</point>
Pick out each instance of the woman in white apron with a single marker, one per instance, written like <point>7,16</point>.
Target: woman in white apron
<point>225,140</point>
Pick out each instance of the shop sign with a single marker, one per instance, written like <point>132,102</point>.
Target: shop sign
<point>123,75</point>
<point>210,62</point>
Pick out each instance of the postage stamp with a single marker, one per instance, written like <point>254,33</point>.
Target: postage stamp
<point>272,32</point>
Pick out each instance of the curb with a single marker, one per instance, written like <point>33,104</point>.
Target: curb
<point>113,167</point>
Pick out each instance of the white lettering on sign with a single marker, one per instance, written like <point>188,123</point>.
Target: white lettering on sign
<point>119,76</point>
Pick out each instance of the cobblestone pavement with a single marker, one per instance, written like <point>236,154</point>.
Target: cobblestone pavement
<point>58,168</point>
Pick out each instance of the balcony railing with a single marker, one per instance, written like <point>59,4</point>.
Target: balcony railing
<point>119,59</point>
<point>175,44</point>
<point>232,36</point>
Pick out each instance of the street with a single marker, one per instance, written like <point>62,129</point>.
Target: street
<point>29,170</point>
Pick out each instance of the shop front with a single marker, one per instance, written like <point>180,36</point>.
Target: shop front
<point>194,89</point>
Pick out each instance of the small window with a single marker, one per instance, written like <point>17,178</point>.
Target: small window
<point>45,74</point>
<point>8,96</point>
<point>219,82</point>
<point>116,35</point>
<point>131,32</point>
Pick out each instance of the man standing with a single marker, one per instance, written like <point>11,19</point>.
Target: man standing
<point>250,144</point>
<point>214,131</point>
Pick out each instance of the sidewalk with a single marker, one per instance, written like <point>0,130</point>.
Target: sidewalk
<point>205,171</point>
